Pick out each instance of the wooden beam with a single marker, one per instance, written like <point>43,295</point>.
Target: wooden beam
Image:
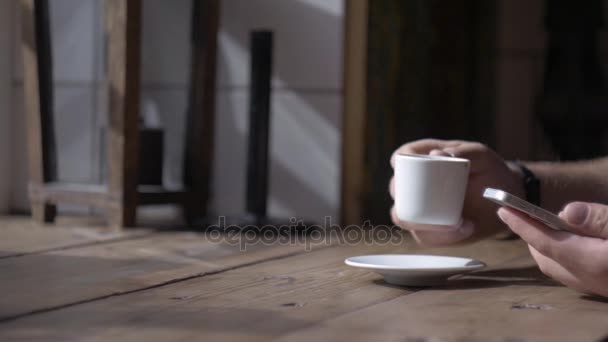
<point>123,26</point>
<point>354,111</point>
<point>93,195</point>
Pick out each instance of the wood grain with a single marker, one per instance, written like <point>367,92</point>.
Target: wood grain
<point>511,303</point>
<point>123,30</point>
<point>354,114</point>
<point>257,302</point>
<point>83,274</point>
<point>21,235</point>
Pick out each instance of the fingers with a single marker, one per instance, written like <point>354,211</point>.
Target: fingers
<point>473,151</point>
<point>423,146</point>
<point>440,153</point>
<point>588,219</point>
<point>431,235</point>
<point>476,152</point>
<point>566,248</point>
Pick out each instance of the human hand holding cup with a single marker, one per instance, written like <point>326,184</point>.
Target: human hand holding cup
<point>479,220</point>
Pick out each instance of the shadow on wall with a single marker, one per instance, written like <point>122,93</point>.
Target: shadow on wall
<point>304,179</point>
<point>305,36</point>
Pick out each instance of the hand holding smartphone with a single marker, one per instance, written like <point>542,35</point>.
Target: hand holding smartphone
<point>504,198</point>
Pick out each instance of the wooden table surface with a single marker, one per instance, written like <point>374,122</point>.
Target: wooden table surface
<point>67,282</point>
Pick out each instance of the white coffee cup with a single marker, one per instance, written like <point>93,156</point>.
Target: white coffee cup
<point>430,189</point>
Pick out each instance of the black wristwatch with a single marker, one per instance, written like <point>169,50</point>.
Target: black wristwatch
<point>531,184</point>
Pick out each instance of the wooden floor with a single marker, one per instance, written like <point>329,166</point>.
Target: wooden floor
<point>68,282</point>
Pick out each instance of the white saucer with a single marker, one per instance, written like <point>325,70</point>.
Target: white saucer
<point>415,270</point>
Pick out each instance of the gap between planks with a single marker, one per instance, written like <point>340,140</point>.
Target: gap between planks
<point>21,236</point>
<point>135,236</point>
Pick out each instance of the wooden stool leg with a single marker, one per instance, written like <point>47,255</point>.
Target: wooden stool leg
<point>44,212</point>
<point>123,28</point>
<point>37,81</point>
<point>123,216</point>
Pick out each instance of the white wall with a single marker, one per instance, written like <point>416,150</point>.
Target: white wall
<point>5,100</point>
<point>306,98</point>
<point>305,140</point>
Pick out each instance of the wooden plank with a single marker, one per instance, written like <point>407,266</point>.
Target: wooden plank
<point>21,235</point>
<point>37,79</point>
<point>354,112</point>
<point>252,303</point>
<point>94,195</point>
<point>123,26</point>
<point>201,108</point>
<point>512,303</point>
<point>83,274</point>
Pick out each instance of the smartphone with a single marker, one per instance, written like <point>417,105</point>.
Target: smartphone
<point>506,199</point>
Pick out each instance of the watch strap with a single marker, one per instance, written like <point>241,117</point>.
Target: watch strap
<point>531,184</point>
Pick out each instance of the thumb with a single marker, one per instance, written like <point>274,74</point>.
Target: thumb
<point>439,153</point>
<point>588,219</point>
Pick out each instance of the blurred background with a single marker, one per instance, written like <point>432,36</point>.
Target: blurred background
<point>306,92</point>
<point>449,69</point>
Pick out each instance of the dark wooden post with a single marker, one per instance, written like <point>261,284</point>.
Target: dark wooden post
<point>354,111</point>
<point>201,111</point>
<point>259,123</point>
<point>37,82</point>
<point>123,25</point>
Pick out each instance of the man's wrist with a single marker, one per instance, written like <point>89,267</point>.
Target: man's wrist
<point>518,177</point>
<point>530,184</point>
